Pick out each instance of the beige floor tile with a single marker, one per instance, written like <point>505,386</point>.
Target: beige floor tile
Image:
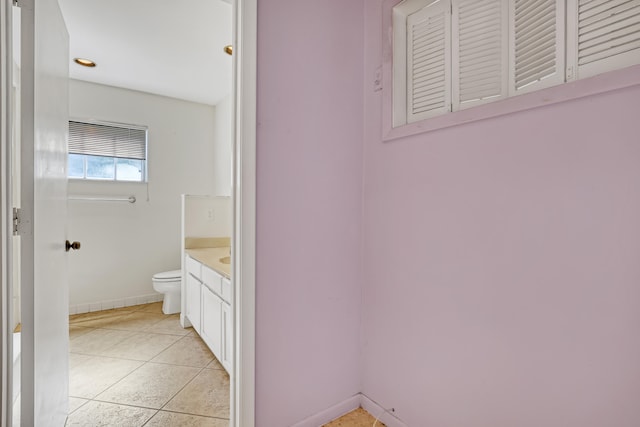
<point>76,331</point>
<point>136,321</point>
<point>77,359</point>
<point>94,376</point>
<point>164,419</point>
<point>150,386</point>
<point>94,414</point>
<point>141,346</point>
<point>154,307</point>
<point>106,321</point>
<point>98,341</point>
<point>84,318</point>
<point>357,418</point>
<point>207,394</point>
<point>75,403</point>
<point>188,351</point>
<point>170,325</point>
<point>214,364</point>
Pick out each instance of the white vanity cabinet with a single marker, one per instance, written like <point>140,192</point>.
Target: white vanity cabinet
<point>209,309</point>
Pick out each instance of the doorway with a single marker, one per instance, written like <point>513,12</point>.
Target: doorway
<point>244,207</point>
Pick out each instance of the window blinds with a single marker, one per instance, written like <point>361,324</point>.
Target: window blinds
<point>107,140</point>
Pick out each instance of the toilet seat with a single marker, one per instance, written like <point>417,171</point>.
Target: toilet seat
<point>168,276</point>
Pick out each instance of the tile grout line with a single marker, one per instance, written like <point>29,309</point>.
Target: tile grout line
<point>200,369</point>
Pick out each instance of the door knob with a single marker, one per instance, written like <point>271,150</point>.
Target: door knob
<point>68,245</point>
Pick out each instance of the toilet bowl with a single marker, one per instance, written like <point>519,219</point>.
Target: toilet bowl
<point>168,283</point>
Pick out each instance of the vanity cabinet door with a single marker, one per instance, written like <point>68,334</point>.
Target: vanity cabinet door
<point>227,337</point>
<point>212,321</point>
<point>193,301</point>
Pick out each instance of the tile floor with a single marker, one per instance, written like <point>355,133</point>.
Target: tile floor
<point>357,418</point>
<point>135,366</point>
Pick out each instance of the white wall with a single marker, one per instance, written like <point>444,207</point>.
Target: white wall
<point>124,244</point>
<point>223,147</point>
<point>207,216</point>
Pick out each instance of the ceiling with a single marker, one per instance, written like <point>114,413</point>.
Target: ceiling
<point>166,47</point>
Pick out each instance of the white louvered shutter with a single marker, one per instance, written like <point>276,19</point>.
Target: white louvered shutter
<point>480,51</point>
<point>536,30</point>
<point>428,62</point>
<point>608,35</point>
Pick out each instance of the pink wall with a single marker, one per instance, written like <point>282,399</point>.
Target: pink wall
<point>309,207</point>
<point>502,265</point>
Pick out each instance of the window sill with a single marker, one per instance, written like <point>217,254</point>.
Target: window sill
<point>82,181</point>
<point>607,82</point>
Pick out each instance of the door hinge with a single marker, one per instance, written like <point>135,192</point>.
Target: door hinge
<point>16,221</point>
<point>21,222</point>
<point>27,4</point>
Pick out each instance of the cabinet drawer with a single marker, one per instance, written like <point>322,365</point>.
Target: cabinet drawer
<point>194,267</point>
<point>212,280</point>
<point>226,290</point>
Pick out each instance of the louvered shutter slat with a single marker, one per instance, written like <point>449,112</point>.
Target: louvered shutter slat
<point>537,56</point>
<point>527,8</point>
<point>428,42</point>
<point>608,35</point>
<point>540,68</point>
<point>619,23</point>
<point>480,68</point>
<point>542,32</point>
<point>612,39</point>
<point>540,53</point>
<point>588,15</point>
<point>536,17</point>
<point>594,55</point>
<point>427,50</point>
<point>479,51</point>
<point>590,4</point>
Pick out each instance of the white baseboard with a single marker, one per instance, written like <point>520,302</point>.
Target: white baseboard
<point>330,414</point>
<point>376,410</point>
<point>115,303</point>
<point>348,405</point>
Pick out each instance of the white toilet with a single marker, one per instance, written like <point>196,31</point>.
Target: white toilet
<point>168,283</point>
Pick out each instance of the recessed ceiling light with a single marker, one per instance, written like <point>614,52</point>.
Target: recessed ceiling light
<point>229,49</point>
<point>84,62</point>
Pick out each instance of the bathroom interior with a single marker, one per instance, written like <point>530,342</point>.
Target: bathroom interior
<point>135,236</point>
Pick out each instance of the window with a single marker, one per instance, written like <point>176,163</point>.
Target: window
<point>107,151</point>
<point>449,55</point>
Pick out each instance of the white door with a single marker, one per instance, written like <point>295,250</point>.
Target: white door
<point>44,285</point>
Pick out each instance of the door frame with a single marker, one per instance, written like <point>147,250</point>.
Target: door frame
<point>6,297</point>
<point>244,206</point>
<point>244,200</point>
